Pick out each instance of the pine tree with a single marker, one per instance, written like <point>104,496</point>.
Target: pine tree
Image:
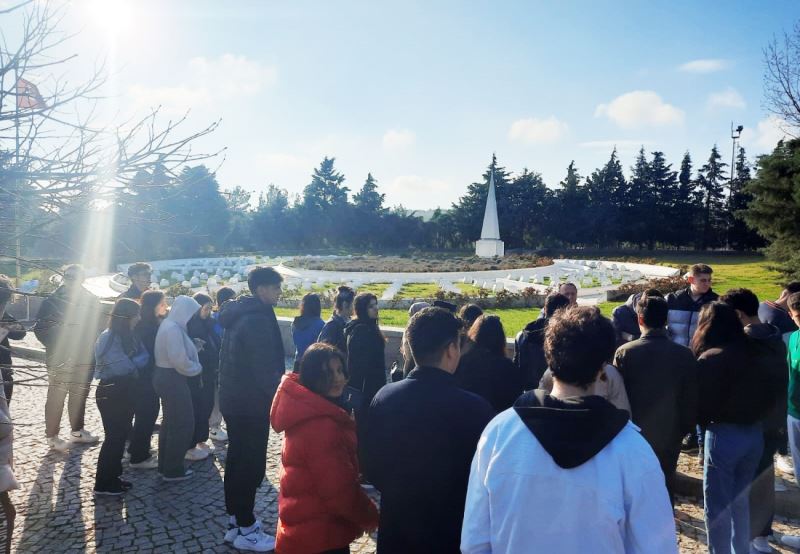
<point>740,235</point>
<point>664,194</point>
<point>368,199</point>
<point>712,184</point>
<point>637,205</point>
<point>775,209</point>
<point>605,187</point>
<point>468,211</point>
<point>572,200</point>
<point>324,207</point>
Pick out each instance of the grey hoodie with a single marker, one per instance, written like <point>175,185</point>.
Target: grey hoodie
<point>174,349</point>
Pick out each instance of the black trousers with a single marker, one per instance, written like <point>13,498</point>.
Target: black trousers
<point>115,402</point>
<point>145,410</point>
<point>202,388</point>
<point>668,460</point>
<point>245,464</point>
<point>8,382</point>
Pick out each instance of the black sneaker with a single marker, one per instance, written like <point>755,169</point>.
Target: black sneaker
<point>690,444</point>
<point>114,489</point>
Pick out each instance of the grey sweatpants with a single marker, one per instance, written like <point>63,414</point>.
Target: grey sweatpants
<point>177,423</point>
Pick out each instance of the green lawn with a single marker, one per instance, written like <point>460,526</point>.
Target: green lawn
<point>418,290</point>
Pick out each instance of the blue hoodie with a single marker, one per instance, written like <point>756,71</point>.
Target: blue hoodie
<point>305,330</point>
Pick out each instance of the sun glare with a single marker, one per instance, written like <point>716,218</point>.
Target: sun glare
<point>112,16</point>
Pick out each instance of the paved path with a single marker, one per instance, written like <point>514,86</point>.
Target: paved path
<point>57,511</point>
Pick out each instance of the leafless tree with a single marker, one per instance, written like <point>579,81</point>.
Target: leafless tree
<point>782,80</point>
<point>56,159</point>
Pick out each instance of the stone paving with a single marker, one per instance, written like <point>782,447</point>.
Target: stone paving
<point>57,511</point>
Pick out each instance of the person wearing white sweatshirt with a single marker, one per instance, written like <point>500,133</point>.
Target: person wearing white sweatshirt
<point>567,471</point>
<point>176,359</point>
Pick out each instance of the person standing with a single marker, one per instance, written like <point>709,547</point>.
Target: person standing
<point>139,275</point>
<point>684,305</point>
<point>10,328</point>
<point>420,437</point>
<point>176,361</point>
<point>529,343</point>
<point>770,355</point>
<point>307,326</point>
<point>67,324</point>
<point>626,319</point>
<point>365,350</point>
<point>735,397</point>
<point>202,387</point>
<point>660,378</point>
<point>119,356</point>
<point>333,330</point>
<point>321,506</point>
<point>567,471</point>
<point>215,431</point>
<point>146,403</point>
<point>485,369</point>
<point>252,362</point>
<point>777,312</point>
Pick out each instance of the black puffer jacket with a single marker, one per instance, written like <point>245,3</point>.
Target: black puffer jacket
<point>684,313</point>
<point>770,353</point>
<point>365,357</point>
<point>626,321</point>
<point>529,353</point>
<point>491,376</point>
<point>203,329</point>
<point>252,359</point>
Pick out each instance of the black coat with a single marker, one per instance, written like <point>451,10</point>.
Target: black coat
<point>626,321</point>
<point>770,353</point>
<point>252,359</point>
<point>661,382</point>
<point>491,376</point>
<point>365,357</point>
<point>418,446</point>
<point>68,324</point>
<point>333,333</point>
<point>5,348</point>
<point>529,353</point>
<point>199,328</point>
<point>147,331</point>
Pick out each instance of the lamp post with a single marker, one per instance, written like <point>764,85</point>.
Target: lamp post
<point>736,133</point>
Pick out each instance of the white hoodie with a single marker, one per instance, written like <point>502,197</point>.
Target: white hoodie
<point>174,349</point>
<point>520,500</point>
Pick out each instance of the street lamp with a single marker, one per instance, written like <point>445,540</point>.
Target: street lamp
<point>736,133</point>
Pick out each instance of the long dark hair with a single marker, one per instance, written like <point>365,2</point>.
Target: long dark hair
<point>718,326</point>
<point>310,306</point>
<point>488,332</point>
<point>361,305</point>
<point>150,300</point>
<point>119,324</point>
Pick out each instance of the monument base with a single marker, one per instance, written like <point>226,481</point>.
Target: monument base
<point>490,248</point>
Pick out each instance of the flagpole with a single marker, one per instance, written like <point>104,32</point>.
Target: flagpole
<point>17,226</point>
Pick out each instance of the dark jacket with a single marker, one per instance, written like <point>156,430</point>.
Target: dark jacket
<point>770,312</point>
<point>333,333</point>
<point>419,442</point>
<point>661,381</point>
<point>199,328</point>
<point>5,348</point>
<point>133,293</point>
<point>252,360</point>
<point>684,313</point>
<point>305,331</point>
<point>365,357</point>
<point>626,321</point>
<point>529,353</point>
<point>770,350</point>
<point>491,376</point>
<point>732,387</point>
<point>147,332</point>
<point>68,324</point>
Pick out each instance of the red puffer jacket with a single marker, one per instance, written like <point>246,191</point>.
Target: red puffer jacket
<point>321,504</point>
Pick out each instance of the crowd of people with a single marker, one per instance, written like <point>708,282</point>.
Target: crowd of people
<point>572,443</point>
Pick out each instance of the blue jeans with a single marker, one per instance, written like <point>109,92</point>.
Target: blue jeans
<point>731,457</point>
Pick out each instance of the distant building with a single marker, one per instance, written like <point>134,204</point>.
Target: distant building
<point>490,244</point>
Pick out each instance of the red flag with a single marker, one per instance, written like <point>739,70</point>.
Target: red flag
<point>28,96</point>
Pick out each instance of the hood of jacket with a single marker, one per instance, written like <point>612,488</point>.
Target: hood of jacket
<point>294,404</point>
<point>572,430</point>
<point>353,323</point>
<point>763,331</point>
<point>633,299</point>
<point>535,327</point>
<point>182,310</point>
<point>303,322</point>
<point>233,310</point>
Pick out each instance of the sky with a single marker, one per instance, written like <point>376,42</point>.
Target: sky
<point>421,93</point>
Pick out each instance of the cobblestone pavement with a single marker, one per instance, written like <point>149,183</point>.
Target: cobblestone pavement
<point>57,511</point>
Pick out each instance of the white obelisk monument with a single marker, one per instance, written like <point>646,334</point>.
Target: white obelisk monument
<point>490,244</point>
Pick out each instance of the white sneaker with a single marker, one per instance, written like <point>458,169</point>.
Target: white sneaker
<point>186,475</point>
<point>761,544</point>
<point>255,541</point>
<point>218,435</point>
<point>83,437</point>
<point>233,531</point>
<point>784,464</point>
<point>58,444</point>
<point>205,446</point>
<point>149,463</point>
<point>196,454</point>
<point>792,541</point>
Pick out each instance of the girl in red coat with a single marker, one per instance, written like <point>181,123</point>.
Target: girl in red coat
<point>321,507</point>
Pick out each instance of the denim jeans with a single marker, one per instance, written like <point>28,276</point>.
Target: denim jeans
<point>732,453</point>
<point>793,430</point>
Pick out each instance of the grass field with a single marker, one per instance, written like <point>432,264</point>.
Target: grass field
<point>729,272</point>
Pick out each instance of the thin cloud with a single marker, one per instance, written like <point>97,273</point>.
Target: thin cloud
<point>395,140</point>
<point>538,131</point>
<point>728,98</point>
<point>640,108</point>
<point>766,135</point>
<point>708,65</point>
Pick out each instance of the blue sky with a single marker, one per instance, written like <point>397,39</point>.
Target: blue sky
<point>421,93</point>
